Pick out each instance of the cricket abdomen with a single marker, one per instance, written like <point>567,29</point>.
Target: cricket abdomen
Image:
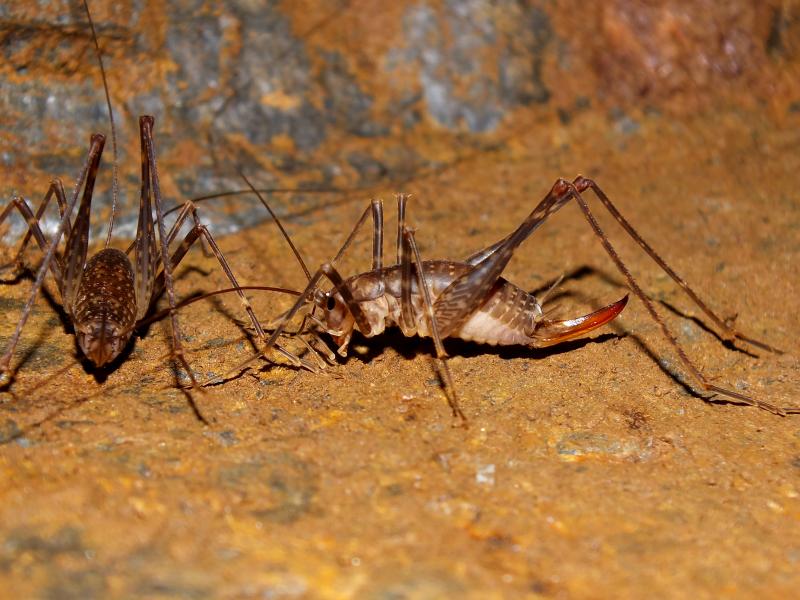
<point>105,306</point>
<point>507,317</point>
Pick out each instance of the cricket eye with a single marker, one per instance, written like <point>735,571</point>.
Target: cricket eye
<point>331,303</point>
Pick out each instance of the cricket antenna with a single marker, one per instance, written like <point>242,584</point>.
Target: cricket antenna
<point>114,174</point>
<point>279,224</point>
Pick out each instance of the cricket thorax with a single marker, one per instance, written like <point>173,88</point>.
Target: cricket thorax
<point>105,306</point>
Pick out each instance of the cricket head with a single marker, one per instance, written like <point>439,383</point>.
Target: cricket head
<point>102,340</point>
<point>334,315</point>
<point>548,332</point>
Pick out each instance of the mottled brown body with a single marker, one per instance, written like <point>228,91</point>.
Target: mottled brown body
<point>104,313</point>
<point>472,301</point>
<point>508,315</point>
<point>108,295</point>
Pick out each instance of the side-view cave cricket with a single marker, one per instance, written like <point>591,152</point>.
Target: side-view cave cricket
<point>471,300</point>
<point>107,297</point>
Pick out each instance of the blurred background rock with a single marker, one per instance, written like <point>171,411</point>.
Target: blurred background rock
<point>362,95</point>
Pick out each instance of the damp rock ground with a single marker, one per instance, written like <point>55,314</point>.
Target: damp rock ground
<point>590,469</point>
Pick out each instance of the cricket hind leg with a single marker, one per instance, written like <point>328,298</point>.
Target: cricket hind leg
<point>729,333</point>
<point>468,291</point>
<point>582,184</point>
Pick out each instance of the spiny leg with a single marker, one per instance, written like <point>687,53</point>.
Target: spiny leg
<point>452,398</point>
<point>86,175</point>
<point>687,363</point>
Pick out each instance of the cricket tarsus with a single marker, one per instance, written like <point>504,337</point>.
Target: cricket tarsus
<point>472,301</point>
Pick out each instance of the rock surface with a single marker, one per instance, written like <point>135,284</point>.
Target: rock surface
<point>588,470</point>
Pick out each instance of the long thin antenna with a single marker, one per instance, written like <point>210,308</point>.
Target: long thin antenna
<point>280,226</point>
<point>114,174</point>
